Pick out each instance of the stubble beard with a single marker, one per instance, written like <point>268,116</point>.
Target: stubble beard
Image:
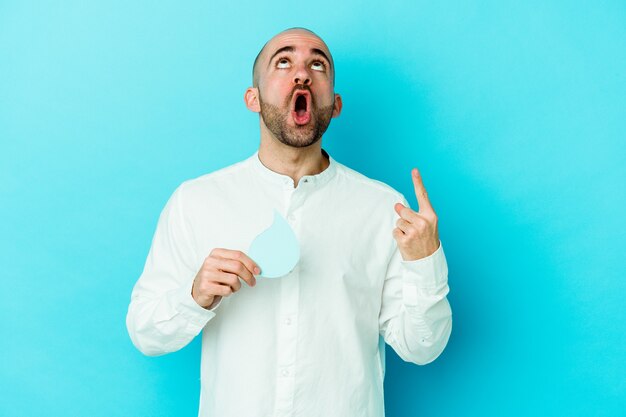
<point>296,136</point>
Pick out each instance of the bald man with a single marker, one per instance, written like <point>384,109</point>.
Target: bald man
<point>371,270</point>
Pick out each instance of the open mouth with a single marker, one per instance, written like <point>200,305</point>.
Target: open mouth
<point>301,107</point>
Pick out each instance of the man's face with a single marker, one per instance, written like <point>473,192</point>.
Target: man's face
<point>295,88</point>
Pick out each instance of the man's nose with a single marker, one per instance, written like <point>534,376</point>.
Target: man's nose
<point>302,76</point>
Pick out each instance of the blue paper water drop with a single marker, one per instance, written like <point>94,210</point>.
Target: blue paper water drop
<point>276,249</point>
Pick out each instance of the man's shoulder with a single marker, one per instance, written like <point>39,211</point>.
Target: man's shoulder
<point>373,187</point>
<point>221,177</point>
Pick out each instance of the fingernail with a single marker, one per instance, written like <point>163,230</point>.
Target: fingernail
<point>257,270</point>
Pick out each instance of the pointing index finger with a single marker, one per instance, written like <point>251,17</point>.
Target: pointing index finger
<point>420,192</point>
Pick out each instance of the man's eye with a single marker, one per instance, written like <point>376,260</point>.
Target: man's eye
<point>320,65</point>
<point>282,63</point>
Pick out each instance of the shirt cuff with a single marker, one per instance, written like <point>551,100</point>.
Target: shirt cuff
<point>188,308</point>
<point>431,271</point>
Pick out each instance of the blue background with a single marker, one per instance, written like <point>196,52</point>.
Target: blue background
<point>513,111</point>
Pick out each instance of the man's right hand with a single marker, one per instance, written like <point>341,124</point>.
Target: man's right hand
<point>219,275</point>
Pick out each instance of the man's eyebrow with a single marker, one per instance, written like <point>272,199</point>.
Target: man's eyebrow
<point>283,49</point>
<point>320,52</point>
<point>315,51</point>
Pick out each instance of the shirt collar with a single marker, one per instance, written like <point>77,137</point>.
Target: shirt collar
<point>317,180</point>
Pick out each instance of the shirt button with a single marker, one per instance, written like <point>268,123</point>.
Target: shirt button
<point>288,321</point>
<point>285,372</point>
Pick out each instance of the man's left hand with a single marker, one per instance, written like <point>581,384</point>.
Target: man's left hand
<point>416,232</point>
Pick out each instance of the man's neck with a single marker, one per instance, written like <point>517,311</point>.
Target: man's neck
<point>293,162</point>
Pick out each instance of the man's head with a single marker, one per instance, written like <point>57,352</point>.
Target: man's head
<point>293,87</point>
<point>255,70</point>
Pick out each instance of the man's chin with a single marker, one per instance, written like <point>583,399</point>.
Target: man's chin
<point>299,139</point>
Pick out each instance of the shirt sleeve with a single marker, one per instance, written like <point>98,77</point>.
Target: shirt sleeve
<point>162,316</point>
<point>415,317</point>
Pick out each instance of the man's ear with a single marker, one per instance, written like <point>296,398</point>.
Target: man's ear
<point>338,106</point>
<point>251,99</point>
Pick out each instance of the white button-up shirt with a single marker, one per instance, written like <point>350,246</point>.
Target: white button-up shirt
<point>311,343</point>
